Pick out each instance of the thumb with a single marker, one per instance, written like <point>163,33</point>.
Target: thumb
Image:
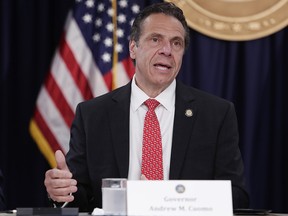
<point>60,160</point>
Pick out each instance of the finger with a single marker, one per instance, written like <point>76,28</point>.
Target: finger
<point>62,191</point>
<point>60,199</point>
<point>61,194</point>
<point>61,161</point>
<point>59,182</point>
<point>57,174</point>
<point>62,183</point>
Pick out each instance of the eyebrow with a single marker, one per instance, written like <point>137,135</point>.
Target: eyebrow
<point>161,35</point>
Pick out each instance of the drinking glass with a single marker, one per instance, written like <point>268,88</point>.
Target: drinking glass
<point>114,201</point>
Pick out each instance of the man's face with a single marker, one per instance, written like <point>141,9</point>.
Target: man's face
<point>158,53</point>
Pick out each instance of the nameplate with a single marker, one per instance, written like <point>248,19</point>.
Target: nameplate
<point>179,197</point>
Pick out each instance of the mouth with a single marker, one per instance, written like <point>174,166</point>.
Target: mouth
<point>162,66</point>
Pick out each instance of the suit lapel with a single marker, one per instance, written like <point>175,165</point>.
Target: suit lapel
<point>183,124</point>
<point>119,121</point>
<point>185,115</point>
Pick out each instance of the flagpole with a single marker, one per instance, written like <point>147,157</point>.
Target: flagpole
<point>115,41</point>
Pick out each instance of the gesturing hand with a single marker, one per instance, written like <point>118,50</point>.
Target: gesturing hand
<point>59,182</point>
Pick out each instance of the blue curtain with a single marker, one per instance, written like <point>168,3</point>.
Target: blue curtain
<point>252,74</point>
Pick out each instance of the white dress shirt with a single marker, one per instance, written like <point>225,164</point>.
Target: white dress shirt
<point>165,114</point>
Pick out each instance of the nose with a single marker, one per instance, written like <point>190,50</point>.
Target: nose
<point>166,48</point>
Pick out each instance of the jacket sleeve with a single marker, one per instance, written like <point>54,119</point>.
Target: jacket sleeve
<point>229,164</point>
<point>77,163</point>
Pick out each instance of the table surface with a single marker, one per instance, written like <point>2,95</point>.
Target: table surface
<point>82,214</point>
<point>8,213</point>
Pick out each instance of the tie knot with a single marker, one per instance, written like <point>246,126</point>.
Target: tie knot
<point>151,104</point>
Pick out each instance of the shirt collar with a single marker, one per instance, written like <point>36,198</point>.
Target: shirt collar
<point>165,98</point>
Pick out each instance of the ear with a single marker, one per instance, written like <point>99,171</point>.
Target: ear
<point>132,49</point>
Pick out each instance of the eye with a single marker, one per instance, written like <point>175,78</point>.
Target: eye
<point>177,44</point>
<point>155,39</point>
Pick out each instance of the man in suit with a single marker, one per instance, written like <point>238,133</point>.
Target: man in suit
<point>2,197</point>
<point>199,131</point>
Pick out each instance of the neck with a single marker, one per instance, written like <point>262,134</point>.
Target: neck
<point>151,91</point>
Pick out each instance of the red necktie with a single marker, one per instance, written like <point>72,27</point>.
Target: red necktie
<point>152,162</point>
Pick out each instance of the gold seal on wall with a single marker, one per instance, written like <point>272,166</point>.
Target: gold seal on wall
<point>235,20</point>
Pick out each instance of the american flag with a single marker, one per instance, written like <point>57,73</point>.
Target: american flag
<point>92,59</point>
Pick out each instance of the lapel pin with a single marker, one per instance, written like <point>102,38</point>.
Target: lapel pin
<point>189,112</point>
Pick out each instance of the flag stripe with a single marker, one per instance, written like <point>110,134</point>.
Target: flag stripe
<point>84,56</point>
<point>59,100</point>
<point>122,76</point>
<point>129,67</point>
<point>47,132</point>
<point>53,119</point>
<point>108,80</point>
<point>42,143</point>
<point>63,78</point>
<point>75,70</point>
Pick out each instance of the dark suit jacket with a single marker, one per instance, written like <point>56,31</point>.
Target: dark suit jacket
<point>204,146</point>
